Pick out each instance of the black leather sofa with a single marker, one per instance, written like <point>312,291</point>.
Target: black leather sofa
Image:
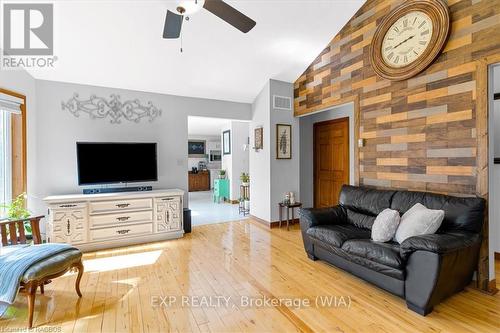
<point>423,269</point>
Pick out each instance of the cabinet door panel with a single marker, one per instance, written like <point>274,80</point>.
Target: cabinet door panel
<point>168,214</point>
<point>68,226</point>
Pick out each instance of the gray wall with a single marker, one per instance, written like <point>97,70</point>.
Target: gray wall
<point>260,173</point>
<point>58,131</point>
<point>284,173</point>
<point>307,153</point>
<point>271,178</point>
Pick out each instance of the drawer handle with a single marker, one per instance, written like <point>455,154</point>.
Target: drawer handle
<point>125,205</point>
<point>123,232</point>
<point>123,218</point>
<point>67,206</point>
<point>167,199</point>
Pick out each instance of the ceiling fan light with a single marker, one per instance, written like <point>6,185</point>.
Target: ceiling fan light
<point>190,6</point>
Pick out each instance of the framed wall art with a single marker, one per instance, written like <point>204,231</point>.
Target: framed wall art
<point>226,142</point>
<point>283,141</point>
<point>259,138</point>
<point>196,148</point>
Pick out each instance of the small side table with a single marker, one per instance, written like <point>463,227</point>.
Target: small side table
<point>288,207</point>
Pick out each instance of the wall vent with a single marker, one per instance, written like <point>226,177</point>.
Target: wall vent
<point>282,103</point>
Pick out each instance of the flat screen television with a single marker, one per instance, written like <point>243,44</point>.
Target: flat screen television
<point>107,162</point>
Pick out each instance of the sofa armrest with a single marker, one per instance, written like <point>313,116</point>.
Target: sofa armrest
<point>438,266</point>
<point>320,216</point>
<point>310,217</point>
<point>439,243</point>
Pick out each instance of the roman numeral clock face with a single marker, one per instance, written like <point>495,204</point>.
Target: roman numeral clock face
<point>407,39</point>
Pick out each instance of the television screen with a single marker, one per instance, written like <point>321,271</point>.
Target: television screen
<point>105,163</point>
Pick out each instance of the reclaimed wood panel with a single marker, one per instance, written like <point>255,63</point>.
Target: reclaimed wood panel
<point>434,112</point>
<point>441,112</point>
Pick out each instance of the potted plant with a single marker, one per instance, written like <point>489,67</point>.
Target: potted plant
<point>222,174</point>
<point>16,210</point>
<point>245,179</point>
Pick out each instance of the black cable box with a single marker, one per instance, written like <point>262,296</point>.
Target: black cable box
<point>117,189</point>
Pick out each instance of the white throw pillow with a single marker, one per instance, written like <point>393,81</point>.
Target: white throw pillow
<point>385,225</point>
<point>419,220</point>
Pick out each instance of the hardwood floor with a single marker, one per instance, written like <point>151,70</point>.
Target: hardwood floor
<point>122,288</point>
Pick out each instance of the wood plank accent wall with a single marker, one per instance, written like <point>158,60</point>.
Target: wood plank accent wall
<point>426,133</point>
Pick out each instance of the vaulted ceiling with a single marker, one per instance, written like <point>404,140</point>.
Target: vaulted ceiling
<point>119,44</point>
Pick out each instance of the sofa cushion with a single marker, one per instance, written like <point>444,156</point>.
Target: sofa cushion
<point>464,214</point>
<point>419,220</point>
<point>359,220</point>
<point>320,248</point>
<point>336,235</point>
<point>365,200</point>
<point>382,253</point>
<point>52,265</point>
<point>385,225</point>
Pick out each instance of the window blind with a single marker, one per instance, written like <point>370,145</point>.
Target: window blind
<point>10,103</point>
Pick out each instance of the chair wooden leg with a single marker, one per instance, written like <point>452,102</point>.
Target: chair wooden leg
<point>31,288</point>
<point>42,289</point>
<point>79,267</point>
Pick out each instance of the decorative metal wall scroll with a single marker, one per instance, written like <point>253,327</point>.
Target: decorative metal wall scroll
<point>114,108</point>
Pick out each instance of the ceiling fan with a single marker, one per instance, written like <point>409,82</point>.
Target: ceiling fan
<point>173,21</point>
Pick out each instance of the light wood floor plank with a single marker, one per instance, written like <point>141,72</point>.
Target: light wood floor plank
<point>236,260</point>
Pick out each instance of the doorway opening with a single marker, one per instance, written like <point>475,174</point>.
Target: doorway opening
<point>494,162</point>
<point>344,116</point>
<point>216,159</point>
<point>331,160</point>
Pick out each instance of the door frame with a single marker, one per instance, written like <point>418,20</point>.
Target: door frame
<point>327,122</point>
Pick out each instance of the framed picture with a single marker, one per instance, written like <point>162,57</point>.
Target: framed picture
<point>258,138</point>
<point>283,141</point>
<point>196,148</point>
<point>226,142</point>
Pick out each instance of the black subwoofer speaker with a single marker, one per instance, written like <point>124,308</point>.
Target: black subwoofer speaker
<point>187,220</point>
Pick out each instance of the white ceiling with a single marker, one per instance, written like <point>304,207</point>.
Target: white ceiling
<point>204,126</point>
<point>119,44</point>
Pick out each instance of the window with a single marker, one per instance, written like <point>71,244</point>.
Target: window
<point>12,146</point>
<point>5,158</point>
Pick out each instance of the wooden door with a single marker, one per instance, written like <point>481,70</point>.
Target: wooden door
<point>331,161</point>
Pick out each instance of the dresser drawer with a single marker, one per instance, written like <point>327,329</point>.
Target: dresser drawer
<point>70,206</point>
<point>121,232</point>
<point>99,207</point>
<point>120,218</point>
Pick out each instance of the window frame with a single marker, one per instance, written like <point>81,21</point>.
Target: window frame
<point>18,146</point>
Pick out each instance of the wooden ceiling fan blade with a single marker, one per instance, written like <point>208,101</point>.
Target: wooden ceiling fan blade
<point>232,16</point>
<point>173,25</point>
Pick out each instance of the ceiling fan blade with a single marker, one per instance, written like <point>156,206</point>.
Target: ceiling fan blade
<point>230,15</point>
<point>173,24</point>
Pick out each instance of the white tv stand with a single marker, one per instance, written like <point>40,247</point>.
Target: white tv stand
<point>105,220</point>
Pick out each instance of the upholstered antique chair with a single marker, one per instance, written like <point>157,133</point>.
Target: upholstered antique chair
<point>37,275</point>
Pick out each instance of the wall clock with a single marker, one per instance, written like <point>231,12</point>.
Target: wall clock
<point>410,38</point>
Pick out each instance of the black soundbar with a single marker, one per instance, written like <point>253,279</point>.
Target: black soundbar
<point>117,189</point>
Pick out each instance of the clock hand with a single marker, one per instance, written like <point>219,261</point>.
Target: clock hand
<point>407,39</point>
